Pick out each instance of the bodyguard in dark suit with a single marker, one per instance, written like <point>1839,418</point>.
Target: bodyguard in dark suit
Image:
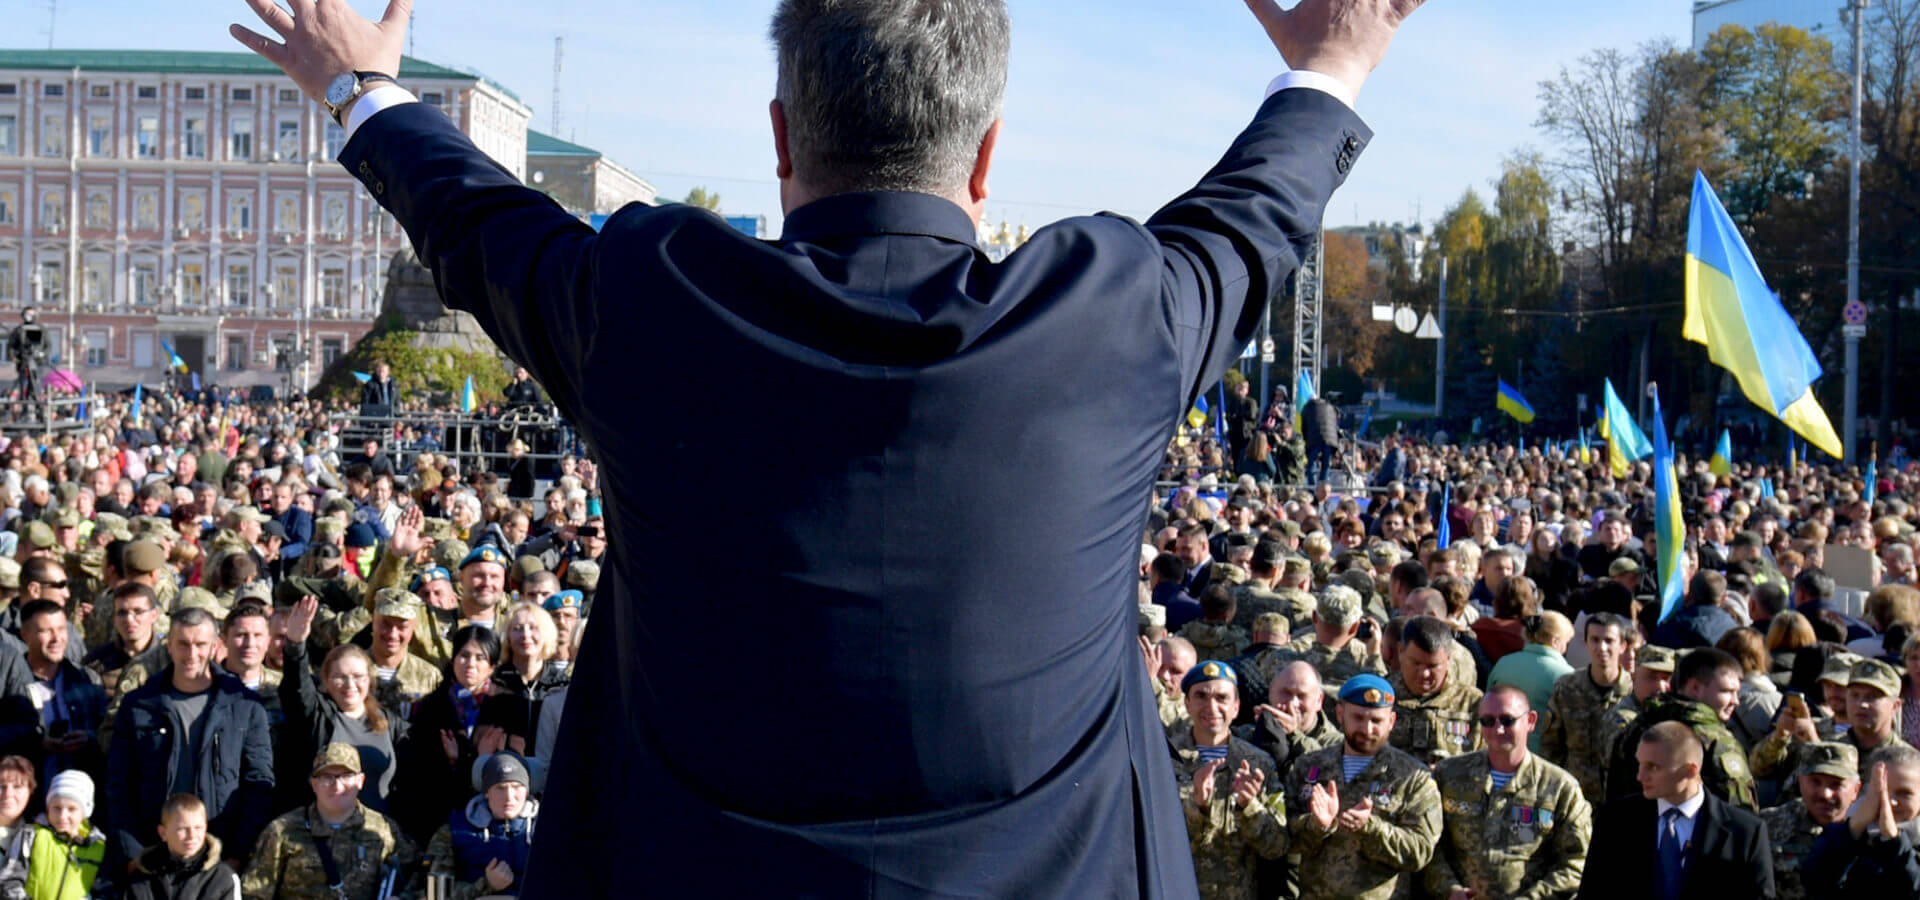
<point>942,733</point>
<point>1675,839</point>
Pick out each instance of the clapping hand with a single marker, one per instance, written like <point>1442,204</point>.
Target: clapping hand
<point>1150,654</point>
<point>1203,784</point>
<point>1874,806</point>
<point>324,39</point>
<point>1355,818</point>
<point>1324,805</point>
<point>1247,783</point>
<point>1344,39</point>
<point>499,875</point>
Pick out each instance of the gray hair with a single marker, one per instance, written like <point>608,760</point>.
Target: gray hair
<point>889,94</point>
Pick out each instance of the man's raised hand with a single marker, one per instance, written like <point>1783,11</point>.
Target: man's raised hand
<point>1344,39</point>
<point>323,39</point>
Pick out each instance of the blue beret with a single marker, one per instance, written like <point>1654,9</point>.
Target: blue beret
<point>565,600</point>
<point>1211,670</point>
<point>1370,691</point>
<point>434,573</point>
<point>485,553</point>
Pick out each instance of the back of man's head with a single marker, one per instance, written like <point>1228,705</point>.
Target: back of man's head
<point>1812,585</point>
<point>1708,588</point>
<point>1217,604</point>
<point>1409,576</point>
<point>1769,598</point>
<point>889,95</point>
<point>1167,568</point>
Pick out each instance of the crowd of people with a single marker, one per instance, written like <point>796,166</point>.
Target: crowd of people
<point>1457,681</point>
<point>241,657</point>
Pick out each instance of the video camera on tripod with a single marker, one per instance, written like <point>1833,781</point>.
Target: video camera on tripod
<point>29,343</point>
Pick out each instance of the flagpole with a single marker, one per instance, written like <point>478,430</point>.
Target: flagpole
<point>1854,333</point>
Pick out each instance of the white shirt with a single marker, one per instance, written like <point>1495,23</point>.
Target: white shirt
<point>1683,826</point>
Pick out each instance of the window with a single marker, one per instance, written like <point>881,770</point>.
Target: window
<point>236,352</point>
<point>193,211</point>
<point>286,214</point>
<point>289,95</point>
<point>333,288</point>
<point>53,283</point>
<point>196,93</point>
<point>286,286</point>
<point>286,140</point>
<point>96,348</point>
<point>240,212</point>
<point>432,98</point>
<point>99,134</point>
<point>280,362</point>
<point>146,137</point>
<point>53,207</point>
<point>53,134</point>
<point>336,140</point>
<point>8,200</point>
<point>100,91</point>
<point>193,138</point>
<point>147,92</point>
<point>99,209</point>
<point>193,282</point>
<point>144,280</point>
<point>331,349</point>
<point>239,284</point>
<point>240,139</point>
<point>93,285</point>
<point>142,347</point>
<point>9,136</point>
<point>9,89</point>
<point>146,210</point>
<point>240,95</point>
<point>336,215</point>
<point>54,89</point>
<point>6,279</point>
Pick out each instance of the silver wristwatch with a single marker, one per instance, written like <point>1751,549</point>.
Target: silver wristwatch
<point>347,87</point>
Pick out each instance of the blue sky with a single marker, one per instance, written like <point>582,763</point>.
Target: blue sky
<point>1116,106</point>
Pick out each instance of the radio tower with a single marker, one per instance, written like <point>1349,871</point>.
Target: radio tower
<point>558,52</point>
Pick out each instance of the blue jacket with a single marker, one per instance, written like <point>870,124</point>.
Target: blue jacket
<point>1694,626</point>
<point>996,695</point>
<point>234,776</point>
<point>299,525</point>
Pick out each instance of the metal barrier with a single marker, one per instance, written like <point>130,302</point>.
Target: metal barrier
<point>478,442</point>
<point>48,416</point>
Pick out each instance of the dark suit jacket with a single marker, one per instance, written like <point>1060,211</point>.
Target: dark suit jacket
<point>1729,857</point>
<point>941,734</point>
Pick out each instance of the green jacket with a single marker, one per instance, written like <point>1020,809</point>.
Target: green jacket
<point>59,869</point>
<point>1526,841</point>
<point>1725,769</point>
<point>1228,843</point>
<point>1397,840</point>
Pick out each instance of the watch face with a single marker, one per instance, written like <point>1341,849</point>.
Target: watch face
<point>341,89</point>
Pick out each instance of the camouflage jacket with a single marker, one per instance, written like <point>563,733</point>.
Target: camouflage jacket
<point>1617,721</point>
<point>1334,666</point>
<point>1215,640</point>
<point>1284,747</point>
<point>1725,770</point>
<point>287,866</point>
<point>1571,730</point>
<point>1228,843</point>
<point>1250,600</point>
<point>1172,707</point>
<point>1777,756</point>
<point>1527,841</point>
<point>1397,840</point>
<point>1437,726</point>
<point>1791,832</point>
<point>413,679</point>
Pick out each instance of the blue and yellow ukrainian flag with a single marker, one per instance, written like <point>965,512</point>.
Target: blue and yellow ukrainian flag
<point>1747,332</point>
<point>1872,490</point>
<point>1510,402</point>
<point>1669,529</point>
<point>1302,392</point>
<point>1197,416</point>
<point>1586,452</point>
<point>173,358</point>
<point>1722,461</point>
<point>467,404</point>
<point>1625,441</point>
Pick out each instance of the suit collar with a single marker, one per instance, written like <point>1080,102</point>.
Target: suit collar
<point>866,213</point>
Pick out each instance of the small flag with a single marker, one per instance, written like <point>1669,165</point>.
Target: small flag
<point>1365,421</point>
<point>1722,462</point>
<point>172,357</point>
<point>1625,441</point>
<point>1510,402</point>
<point>467,404</point>
<point>1873,476</point>
<point>1302,392</point>
<point>1586,451</point>
<point>1197,416</point>
<point>1668,524</point>
<point>138,391</point>
<point>1446,513</point>
<point>361,377</point>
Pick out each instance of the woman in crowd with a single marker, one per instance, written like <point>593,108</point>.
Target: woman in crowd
<point>1257,460</point>
<point>343,710</point>
<point>1787,634</point>
<point>1759,696</point>
<point>1536,666</point>
<point>1515,600</point>
<point>449,731</point>
<point>1554,573</point>
<point>530,673</point>
<point>17,784</point>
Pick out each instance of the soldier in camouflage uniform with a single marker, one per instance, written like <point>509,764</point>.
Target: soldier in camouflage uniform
<point>1434,713</point>
<point>1652,676</point>
<point>1258,663</point>
<point>1708,682</point>
<point>1873,686</point>
<point>1213,635</point>
<point>1175,658</point>
<point>1228,788</point>
<point>1516,825</point>
<point>1829,782</point>
<point>1296,577</point>
<point>1257,596</point>
<point>1581,701</point>
<point>401,678</point>
<point>1291,723</point>
<point>365,845</point>
<point>1364,815</point>
<point>1334,649</point>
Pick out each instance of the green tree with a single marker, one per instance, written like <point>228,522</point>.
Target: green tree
<point>704,199</point>
<point>1775,94</point>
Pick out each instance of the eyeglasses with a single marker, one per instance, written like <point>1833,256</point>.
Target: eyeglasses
<point>54,585</point>
<point>1500,721</point>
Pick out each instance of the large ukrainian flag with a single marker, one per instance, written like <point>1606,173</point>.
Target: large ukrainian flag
<point>1747,332</point>
<point>1668,527</point>
<point>1510,402</point>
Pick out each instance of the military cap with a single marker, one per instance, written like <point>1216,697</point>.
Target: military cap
<point>1654,659</point>
<point>38,534</point>
<point>1271,623</point>
<point>1339,606</point>
<point>565,600</point>
<point>1367,690</point>
<point>1384,555</point>
<point>436,529</point>
<point>154,525</point>
<point>196,597</point>
<point>1839,668</point>
<point>1298,566</point>
<point>1288,527</point>
<point>113,524</point>
<point>583,574</point>
<point>336,756</point>
<point>9,573</point>
<point>275,530</point>
<point>1228,573</point>
<point>529,565</point>
<point>428,575</point>
<point>328,526</point>
<point>240,514</point>
<point>258,591</point>
<point>68,491</point>
<point>1152,615</point>
<point>141,557</point>
<point>1875,674</point>
<point>65,517</point>
<point>1829,758</point>
<point>447,554</point>
<point>1211,670</point>
<point>485,553</point>
<point>1623,566</point>
<point>1270,553</point>
<point>1358,579</point>
<point>396,604</point>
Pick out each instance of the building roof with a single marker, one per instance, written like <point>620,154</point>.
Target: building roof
<point>199,62</point>
<point>545,144</point>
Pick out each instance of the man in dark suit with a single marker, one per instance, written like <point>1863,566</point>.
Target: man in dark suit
<point>975,739</point>
<point>1675,839</point>
<point>380,390</point>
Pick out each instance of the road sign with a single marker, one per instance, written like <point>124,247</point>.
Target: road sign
<point>1429,329</point>
<point>1406,319</point>
<point>1383,312</point>
<point>1854,313</point>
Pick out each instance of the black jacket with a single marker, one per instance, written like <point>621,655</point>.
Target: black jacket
<point>1729,857</point>
<point>234,776</point>
<point>309,727</point>
<point>434,788</point>
<point>1843,865</point>
<point>1320,422</point>
<point>158,876</point>
<point>516,704</point>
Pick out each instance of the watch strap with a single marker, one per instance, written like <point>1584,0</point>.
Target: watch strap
<point>364,80</point>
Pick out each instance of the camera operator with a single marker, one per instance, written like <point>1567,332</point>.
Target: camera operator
<point>27,345</point>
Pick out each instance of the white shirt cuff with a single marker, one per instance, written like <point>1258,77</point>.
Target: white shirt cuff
<point>380,97</point>
<point>1301,78</point>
